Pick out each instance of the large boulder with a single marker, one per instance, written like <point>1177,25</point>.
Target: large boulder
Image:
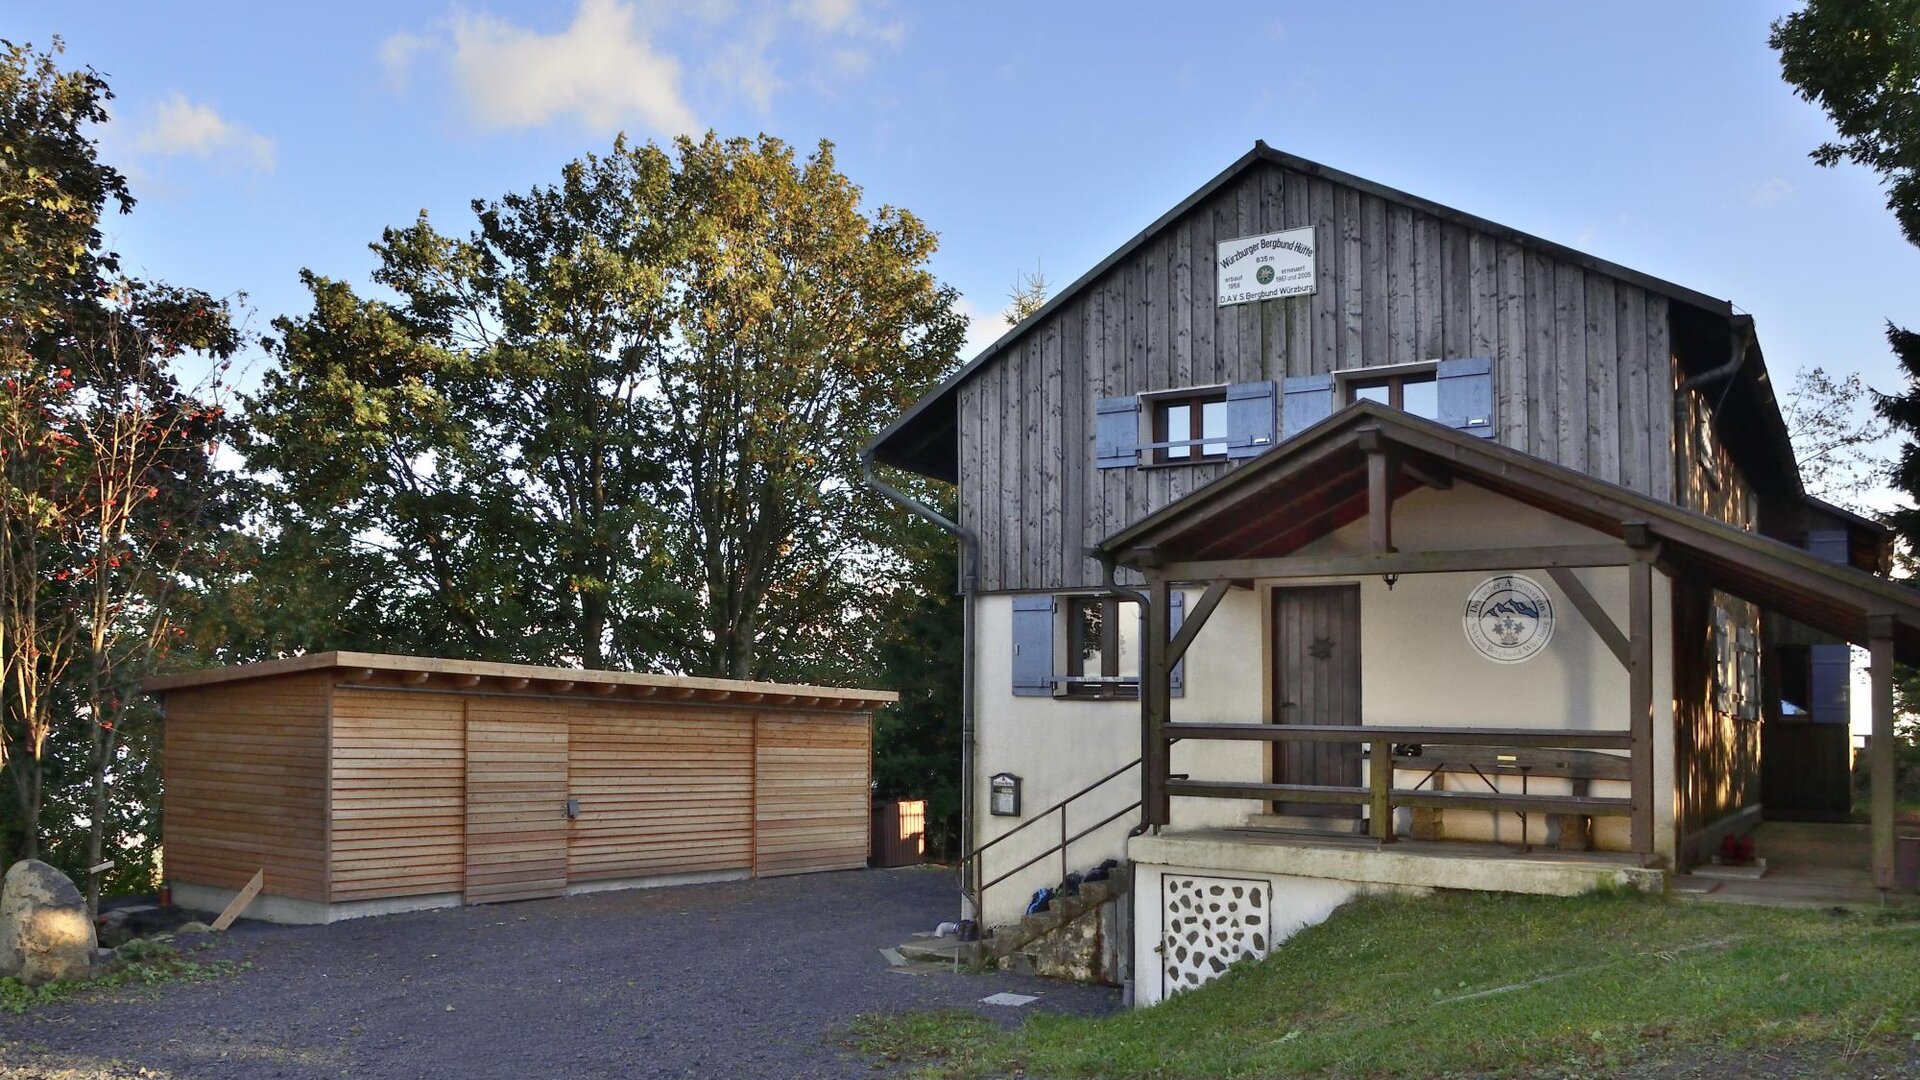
<point>44,930</point>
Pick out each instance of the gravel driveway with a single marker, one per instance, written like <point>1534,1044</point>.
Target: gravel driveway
<point>738,980</point>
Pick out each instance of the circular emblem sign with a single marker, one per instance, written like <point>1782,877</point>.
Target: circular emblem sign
<point>1509,618</point>
<point>1264,275</point>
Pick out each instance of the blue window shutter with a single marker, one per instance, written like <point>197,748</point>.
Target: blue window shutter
<point>1305,401</point>
<point>1176,614</point>
<point>1828,544</point>
<point>1117,433</point>
<point>1830,676</point>
<point>1033,646</point>
<point>1250,418</point>
<point>1465,390</point>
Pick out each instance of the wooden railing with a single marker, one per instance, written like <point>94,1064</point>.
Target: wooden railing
<point>973,862</point>
<point>1381,797</point>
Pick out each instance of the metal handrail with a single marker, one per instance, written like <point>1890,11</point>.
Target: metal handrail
<point>971,863</point>
<point>1554,738</point>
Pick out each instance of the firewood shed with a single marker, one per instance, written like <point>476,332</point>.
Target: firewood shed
<point>364,784</point>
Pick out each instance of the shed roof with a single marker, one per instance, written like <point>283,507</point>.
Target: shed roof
<point>456,675</point>
<point>921,439</point>
<point>1316,482</point>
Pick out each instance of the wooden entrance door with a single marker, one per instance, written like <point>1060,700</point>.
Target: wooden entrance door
<point>1316,680</point>
<point>516,802</point>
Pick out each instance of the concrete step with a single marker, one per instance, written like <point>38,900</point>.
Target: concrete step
<point>941,950</point>
<point>1342,826</point>
<point>1002,941</point>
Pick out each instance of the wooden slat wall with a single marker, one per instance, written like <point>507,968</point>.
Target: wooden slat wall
<point>1582,362</point>
<point>399,794</point>
<point>246,785</point>
<point>516,817</point>
<point>662,790</point>
<point>811,796</point>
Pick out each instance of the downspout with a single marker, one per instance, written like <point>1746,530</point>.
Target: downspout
<point>969,581</point>
<point>1740,344</point>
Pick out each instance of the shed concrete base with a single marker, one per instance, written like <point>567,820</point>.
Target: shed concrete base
<point>293,912</point>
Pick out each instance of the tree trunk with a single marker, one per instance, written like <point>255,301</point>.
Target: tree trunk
<point>97,808</point>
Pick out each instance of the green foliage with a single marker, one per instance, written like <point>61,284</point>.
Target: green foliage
<point>1386,987</point>
<point>916,742</point>
<point>1860,61</point>
<point>617,424</point>
<point>140,963</point>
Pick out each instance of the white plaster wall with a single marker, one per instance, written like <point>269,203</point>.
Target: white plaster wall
<point>1419,669</point>
<point>1059,745</point>
<point>1297,904</point>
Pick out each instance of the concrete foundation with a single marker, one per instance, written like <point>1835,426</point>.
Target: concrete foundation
<point>293,912</point>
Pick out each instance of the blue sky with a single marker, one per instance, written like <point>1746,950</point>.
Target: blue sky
<point>264,138</point>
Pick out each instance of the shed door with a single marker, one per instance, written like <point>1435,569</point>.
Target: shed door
<point>1316,680</point>
<point>516,802</point>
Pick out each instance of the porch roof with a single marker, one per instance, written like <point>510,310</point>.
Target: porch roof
<point>1317,481</point>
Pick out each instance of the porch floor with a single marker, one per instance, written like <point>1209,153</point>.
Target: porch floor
<point>1809,864</point>
<point>1419,864</point>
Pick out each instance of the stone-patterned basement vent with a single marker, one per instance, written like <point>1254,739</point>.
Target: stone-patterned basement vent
<point>1206,924</point>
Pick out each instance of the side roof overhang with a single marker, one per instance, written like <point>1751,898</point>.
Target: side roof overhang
<point>1316,482</point>
<point>353,666</point>
<point>924,439</point>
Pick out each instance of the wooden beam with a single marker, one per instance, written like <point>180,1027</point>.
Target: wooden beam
<point>1880,764</point>
<point>1380,783</point>
<point>1434,475</point>
<point>559,686</point>
<point>1590,610</point>
<point>465,682</point>
<point>514,684</point>
<point>605,688</point>
<point>364,674</point>
<point>1640,695</point>
<point>1400,562</point>
<point>1380,501</point>
<point>1563,738</point>
<point>1155,700</point>
<point>1196,619</point>
<point>415,678</point>
<point>241,899</point>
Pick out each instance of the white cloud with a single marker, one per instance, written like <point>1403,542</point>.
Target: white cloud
<point>612,66</point>
<point>602,70</point>
<point>1775,189</point>
<point>983,327</point>
<point>826,15</point>
<point>398,51</point>
<point>182,128</point>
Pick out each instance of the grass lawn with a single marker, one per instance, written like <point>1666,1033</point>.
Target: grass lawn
<point>1473,983</point>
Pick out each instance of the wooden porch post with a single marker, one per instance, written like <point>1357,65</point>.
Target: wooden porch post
<point>1880,764</point>
<point>1156,691</point>
<point>1379,493</point>
<point>1640,695</point>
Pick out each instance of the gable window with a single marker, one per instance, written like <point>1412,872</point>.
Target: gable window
<point>1189,427</point>
<point>1416,392</point>
<point>1103,647</point>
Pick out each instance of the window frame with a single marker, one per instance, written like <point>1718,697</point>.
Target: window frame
<point>1113,607</point>
<point>1395,378</point>
<point>1156,407</point>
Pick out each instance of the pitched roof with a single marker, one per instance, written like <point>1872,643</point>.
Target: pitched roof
<point>1316,482</point>
<point>921,439</point>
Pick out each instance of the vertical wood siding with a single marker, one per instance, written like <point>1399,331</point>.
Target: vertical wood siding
<point>246,786</point>
<point>399,794</point>
<point>1583,371</point>
<point>811,799</point>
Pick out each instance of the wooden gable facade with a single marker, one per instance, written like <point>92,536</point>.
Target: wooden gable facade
<point>1584,359</point>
